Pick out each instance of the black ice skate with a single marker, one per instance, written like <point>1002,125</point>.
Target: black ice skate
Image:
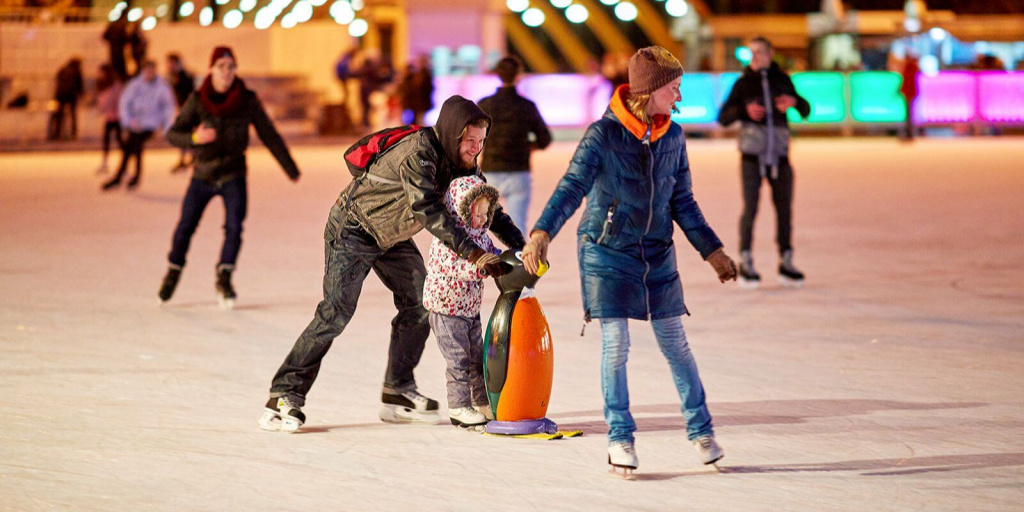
<point>282,415</point>
<point>170,283</point>
<point>225,292</point>
<point>408,407</point>
<point>622,457</point>
<point>789,276</point>
<point>111,183</point>
<point>748,278</point>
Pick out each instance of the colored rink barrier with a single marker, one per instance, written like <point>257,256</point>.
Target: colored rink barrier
<point>853,99</point>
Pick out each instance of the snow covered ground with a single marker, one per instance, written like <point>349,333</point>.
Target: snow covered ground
<point>892,382</point>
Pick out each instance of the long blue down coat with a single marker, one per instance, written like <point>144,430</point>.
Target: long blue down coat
<point>634,190</point>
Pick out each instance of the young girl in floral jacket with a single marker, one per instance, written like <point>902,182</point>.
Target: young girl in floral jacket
<point>452,294</point>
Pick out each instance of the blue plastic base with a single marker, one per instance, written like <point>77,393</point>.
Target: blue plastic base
<point>541,426</point>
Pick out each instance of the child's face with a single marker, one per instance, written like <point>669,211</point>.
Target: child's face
<point>478,212</point>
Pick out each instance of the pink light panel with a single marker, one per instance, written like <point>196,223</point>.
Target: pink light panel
<point>1001,96</point>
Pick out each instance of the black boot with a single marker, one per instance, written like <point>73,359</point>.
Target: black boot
<point>112,183</point>
<point>225,292</point>
<point>789,276</point>
<point>748,278</point>
<point>170,283</point>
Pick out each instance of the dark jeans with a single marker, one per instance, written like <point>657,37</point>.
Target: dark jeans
<point>349,257</point>
<point>782,197</point>
<point>111,128</point>
<point>235,196</point>
<point>133,148</point>
<point>55,130</point>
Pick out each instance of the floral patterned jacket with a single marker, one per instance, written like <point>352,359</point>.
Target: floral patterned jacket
<point>454,286</point>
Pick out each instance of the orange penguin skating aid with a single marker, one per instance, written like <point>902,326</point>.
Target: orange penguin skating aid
<point>519,357</point>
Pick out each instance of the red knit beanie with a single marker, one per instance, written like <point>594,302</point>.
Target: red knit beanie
<point>651,68</point>
<point>222,51</point>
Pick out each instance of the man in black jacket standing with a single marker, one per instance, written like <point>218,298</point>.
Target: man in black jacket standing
<point>515,120</point>
<point>370,227</point>
<point>214,124</point>
<point>759,100</point>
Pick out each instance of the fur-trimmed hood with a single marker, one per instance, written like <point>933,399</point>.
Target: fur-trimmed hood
<point>460,196</point>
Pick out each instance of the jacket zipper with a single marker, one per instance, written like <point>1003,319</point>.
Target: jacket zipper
<point>650,218</point>
<point>608,222</point>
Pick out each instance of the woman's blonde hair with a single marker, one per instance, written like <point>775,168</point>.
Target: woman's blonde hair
<point>637,105</point>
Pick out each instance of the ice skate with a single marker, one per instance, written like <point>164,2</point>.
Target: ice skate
<point>748,279</point>
<point>408,407</point>
<point>486,411</point>
<point>789,276</point>
<point>282,415</point>
<point>112,183</point>
<point>467,418</point>
<point>623,460</point>
<point>708,449</point>
<point>170,283</point>
<point>225,292</point>
<point>133,183</point>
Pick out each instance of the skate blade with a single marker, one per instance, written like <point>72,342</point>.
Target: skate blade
<point>748,284</point>
<point>714,462</point>
<point>623,472</point>
<point>399,415</point>
<point>272,421</point>
<point>787,282</point>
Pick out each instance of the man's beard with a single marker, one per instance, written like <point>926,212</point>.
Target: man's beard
<point>467,166</point>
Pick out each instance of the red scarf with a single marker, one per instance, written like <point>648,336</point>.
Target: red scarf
<point>230,105</point>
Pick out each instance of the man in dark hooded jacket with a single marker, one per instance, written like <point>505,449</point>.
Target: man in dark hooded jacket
<point>371,227</point>
<point>760,100</point>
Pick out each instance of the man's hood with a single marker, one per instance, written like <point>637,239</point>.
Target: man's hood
<point>456,113</point>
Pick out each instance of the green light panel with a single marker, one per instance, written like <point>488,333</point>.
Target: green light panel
<point>824,91</point>
<point>875,97</point>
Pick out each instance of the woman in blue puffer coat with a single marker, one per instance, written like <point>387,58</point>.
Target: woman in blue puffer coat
<point>632,168</point>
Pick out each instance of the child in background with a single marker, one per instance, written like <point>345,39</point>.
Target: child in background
<point>452,294</point>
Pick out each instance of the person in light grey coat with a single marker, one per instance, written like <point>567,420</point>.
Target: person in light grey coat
<point>147,105</point>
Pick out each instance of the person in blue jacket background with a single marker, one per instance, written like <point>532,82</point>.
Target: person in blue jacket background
<point>632,168</point>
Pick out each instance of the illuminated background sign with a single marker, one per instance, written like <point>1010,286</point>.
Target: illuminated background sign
<point>863,97</point>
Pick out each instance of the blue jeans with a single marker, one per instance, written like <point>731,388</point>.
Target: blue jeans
<point>234,193</point>
<point>514,188</point>
<point>672,342</point>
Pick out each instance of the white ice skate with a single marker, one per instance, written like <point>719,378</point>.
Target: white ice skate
<point>408,407</point>
<point>623,460</point>
<point>282,415</point>
<point>708,449</point>
<point>486,411</point>
<point>467,418</point>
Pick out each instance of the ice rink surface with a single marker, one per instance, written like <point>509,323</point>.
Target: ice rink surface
<point>893,381</point>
